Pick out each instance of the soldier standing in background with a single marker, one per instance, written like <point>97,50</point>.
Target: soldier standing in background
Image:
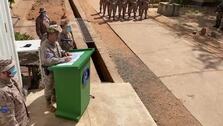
<point>112,8</point>
<point>143,8</point>
<point>106,6</point>
<point>42,23</point>
<point>122,6</point>
<point>101,2</point>
<point>13,110</point>
<point>132,7</point>
<point>65,38</point>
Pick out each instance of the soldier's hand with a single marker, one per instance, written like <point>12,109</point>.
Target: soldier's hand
<point>68,54</point>
<point>68,59</point>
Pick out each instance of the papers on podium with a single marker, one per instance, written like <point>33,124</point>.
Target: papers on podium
<point>75,56</point>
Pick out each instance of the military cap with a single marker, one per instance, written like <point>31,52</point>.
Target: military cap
<point>6,64</point>
<point>42,10</point>
<point>53,28</point>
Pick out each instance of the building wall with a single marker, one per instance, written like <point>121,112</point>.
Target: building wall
<point>7,39</point>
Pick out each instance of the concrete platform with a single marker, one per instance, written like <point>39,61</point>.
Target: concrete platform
<point>114,105</point>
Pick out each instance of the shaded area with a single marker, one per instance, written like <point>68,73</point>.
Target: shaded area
<point>40,116</point>
<point>99,63</point>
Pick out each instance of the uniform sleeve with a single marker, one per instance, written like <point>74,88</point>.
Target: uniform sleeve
<point>60,49</point>
<point>50,60</point>
<point>7,110</point>
<point>38,32</point>
<point>46,22</point>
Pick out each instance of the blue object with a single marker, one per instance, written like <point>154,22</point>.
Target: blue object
<point>4,109</point>
<point>12,71</point>
<point>85,76</point>
<point>69,28</point>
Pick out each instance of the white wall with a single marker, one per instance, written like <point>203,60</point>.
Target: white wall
<point>7,39</point>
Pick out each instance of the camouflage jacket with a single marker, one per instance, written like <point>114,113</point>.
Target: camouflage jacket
<point>51,54</point>
<point>13,111</point>
<point>41,25</point>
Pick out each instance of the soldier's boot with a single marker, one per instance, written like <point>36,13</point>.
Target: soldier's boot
<point>146,10</point>
<point>119,12</point>
<point>129,13</point>
<point>51,108</point>
<point>140,13</point>
<point>49,105</point>
<point>123,12</point>
<point>53,96</point>
<point>134,11</point>
<point>104,9</point>
<point>109,12</point>
<point>134,14</point>
<point>114,12</point>
<point>100,8</point>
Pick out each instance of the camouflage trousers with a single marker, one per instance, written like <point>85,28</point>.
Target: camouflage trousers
<point>132,7</point>
<point>105,7</point>
<point>143,10</point>
<point>112,11</point>
<point>101,5</point>
<point>49,88</point>
<point>122,10</point>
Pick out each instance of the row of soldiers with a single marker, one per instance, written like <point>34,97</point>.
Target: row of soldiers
<point>123,6</point>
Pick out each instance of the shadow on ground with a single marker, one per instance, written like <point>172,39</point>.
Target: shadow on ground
<point>40,116</point>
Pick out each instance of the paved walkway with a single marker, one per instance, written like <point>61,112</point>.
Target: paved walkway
<point>115,104</point>
<point>193,75</point>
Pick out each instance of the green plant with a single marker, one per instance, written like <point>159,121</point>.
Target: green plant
<point>22,36</point>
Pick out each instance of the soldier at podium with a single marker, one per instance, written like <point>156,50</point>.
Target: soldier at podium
<point>51,54</point>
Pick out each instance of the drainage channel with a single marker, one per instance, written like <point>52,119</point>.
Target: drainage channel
<point>98,61</point>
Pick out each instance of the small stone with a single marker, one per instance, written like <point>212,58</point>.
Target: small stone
<point>203,31</point>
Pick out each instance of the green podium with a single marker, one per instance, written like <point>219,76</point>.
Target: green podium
<point>72,84</point>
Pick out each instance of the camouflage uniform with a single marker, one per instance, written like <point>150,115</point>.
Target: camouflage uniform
<point>101,2</point>
<point>143,8</point>
<point>219,16</point>
<point>42,22</point>
<point>122,6</point>
<point>13,111</point>
<point>65,41</point>
<point>112,8</point>
<point>106,6</point>
<point>50,55</point>
<point>132,6</point>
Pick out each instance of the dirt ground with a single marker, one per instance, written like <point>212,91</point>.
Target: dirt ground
<point>55,9</point>
<point>165,108</point>
<point>25,12</point>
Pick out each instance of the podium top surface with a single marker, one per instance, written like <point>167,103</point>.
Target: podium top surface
<point>79,58</point>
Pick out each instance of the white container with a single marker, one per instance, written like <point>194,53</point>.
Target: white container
<point>7,39</point>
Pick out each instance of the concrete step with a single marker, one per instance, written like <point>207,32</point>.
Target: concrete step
<point>115,104</point>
